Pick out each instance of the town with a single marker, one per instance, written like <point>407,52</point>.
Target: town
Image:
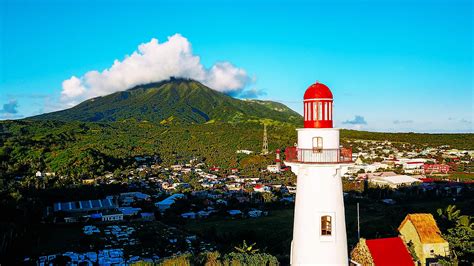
<point>150,214</point>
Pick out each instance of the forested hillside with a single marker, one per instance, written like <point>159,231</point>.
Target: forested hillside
<point>86,149</point>
<point>175,100</point>
<point>458,140</point>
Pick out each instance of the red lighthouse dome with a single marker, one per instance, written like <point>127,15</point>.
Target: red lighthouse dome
<point>318,91</point>
<point>318,106</point>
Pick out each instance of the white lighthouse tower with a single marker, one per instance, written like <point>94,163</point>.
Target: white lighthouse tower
<point>319,232</point>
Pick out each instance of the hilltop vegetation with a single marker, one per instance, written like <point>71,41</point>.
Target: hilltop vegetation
<point>84,150</point>
<point>458,141</point>
<point>175,100</point>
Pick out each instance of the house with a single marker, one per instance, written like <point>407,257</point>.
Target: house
<point>147,216</point>
<point>188,215</point>
<point>85,205</point>
<point>421,230</point>
<point>166,203</point>
<point>221,201</point>
<point>129,211</point>
<point>255,213</point>
<point>234,212</point>
<point>436,168</point>
<point>375,175</point>
<point>244,151</point>
<point>214,169</point>
<point>273,168</point>
<point>359,161</point>
<point>205,214</point>
<point>291,189</point>
<point>176,167</point>
<point>394,181</point>
<point>261,188</point>
<point>112,215</point>
<point>135,195</point>
<point>380,252</point>
<point>89,181</point>
<point>233,186</point>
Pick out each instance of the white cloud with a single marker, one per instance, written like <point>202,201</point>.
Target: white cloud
<point>152,62</point>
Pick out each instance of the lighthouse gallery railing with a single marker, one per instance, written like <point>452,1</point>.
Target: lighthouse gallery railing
<point>322,156</point>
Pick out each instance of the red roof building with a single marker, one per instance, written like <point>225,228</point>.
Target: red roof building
<point>382,252</point>
<point>389,251</point>
<point>436,168</point>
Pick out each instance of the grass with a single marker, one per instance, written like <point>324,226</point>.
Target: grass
<point>462,176</point>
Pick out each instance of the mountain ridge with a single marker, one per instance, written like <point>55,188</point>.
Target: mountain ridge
<point>178,100</point>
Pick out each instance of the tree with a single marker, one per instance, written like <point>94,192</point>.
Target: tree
<point>247,249</point>
<point>459,232</point>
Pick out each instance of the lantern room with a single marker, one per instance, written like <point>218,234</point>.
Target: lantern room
<point>318,106</point>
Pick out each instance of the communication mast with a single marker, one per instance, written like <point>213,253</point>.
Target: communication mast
<point>265,140</point>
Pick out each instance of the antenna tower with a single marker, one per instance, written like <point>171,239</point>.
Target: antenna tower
<point>265,140</point>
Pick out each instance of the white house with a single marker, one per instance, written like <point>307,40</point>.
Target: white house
<point>394,181</point>
<point>112,216</point>
<point>244,152</point>
<point>166,203</point>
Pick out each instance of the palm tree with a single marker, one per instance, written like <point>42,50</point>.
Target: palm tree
<point>247,249</point>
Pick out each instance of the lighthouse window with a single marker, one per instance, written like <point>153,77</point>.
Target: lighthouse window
<point>325,111</point>
<point>326,225</point>
<point>315,111</point>
<point>320,111</point>
<point>317,144</point>
<point>330,111</point>
<point>305,111</point>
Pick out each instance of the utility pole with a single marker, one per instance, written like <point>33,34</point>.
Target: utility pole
<point>358,222</point>
<point>265,140</point>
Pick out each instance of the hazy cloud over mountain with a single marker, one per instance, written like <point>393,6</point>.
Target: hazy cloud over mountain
<point>10,107</point>
<point>152,62</point>
<point>9,110</point>
<point>358,120</point>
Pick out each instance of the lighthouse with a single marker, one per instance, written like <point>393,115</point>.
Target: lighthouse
<point>319,230</point>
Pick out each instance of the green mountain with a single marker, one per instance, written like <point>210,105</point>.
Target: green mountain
<point>177,100</point>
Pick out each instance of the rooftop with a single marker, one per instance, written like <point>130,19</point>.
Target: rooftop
<point>318,91</point>
<point>389,251</point>
<point>425,226</point>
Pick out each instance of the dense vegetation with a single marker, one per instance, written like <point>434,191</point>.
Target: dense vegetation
<point>458,141</point>
<point>216,259</point>
<point>83,150</point>
<point>87,149</point>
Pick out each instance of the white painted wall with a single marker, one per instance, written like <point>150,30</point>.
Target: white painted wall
<point>319,193</point>
<point>330,137</point>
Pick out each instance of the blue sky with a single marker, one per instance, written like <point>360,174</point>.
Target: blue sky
<point>392,65</point>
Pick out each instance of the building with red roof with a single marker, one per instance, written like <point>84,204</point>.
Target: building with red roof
<point>383,251</point>
<point>436,168</point>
